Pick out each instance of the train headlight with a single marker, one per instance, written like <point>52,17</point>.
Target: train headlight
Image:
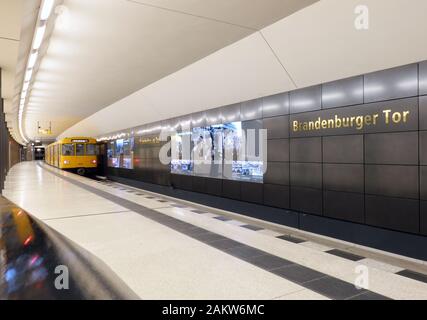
<point>94,161</point>
<point>66,162</point>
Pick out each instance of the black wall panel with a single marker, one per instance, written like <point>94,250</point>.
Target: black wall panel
<point>393,181</point>
<point>277,127</point>
<point>231,189</point>
<point>423,77</point>
<point>345,206</point>
<point>214,116</point>
<point>230,113</point>
<point>343,149</point>
<point>186,121</point>
<point>393,213</point>
<point>174,124</point>
<point>213,186</point>
<point>423,147</point>
<point>307,99</point>
<point>423,112</point>
<point>252,124</point>
<point>278,150</point>
<point>306,175</point>
<point>175,180</point>
<point>277,173</point>
<point>198,119</point>
<point>306,149</point>
<point>368,173</point>
<point>199,184</point>
<point>275,105</point>
<point>306,200</point>
<point>423,218</point>
<point>423,182</point>
<point>393,83</point>
<point>4,148</point>
<point>276,196</point>
<point>342,92</point>
<point>252,192</point>
<point>343,177</point>
<point>184,182</point>
<point>392,148</point>
<point>251,110</point>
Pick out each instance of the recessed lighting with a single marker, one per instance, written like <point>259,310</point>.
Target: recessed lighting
<point>32,60</point>
<point>38,38</point>
<point>46,9</point>
<point>28,75</point>
<point>25,86</point>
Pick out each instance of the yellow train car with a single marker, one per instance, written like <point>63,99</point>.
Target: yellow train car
<point>76,153</point>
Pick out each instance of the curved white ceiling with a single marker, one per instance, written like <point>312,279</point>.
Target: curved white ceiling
<point>242,71</point>
<point>10,28</point>
<point>103,50</point>
<point>317,44</point>
<point>321,43</point>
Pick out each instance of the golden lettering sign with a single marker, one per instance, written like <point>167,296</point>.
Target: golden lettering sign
<point>154,140</point>
<point>358,122</point>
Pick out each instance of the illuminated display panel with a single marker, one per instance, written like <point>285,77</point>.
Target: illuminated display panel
<point>207,151</point>
<point>120,153</point>
<point>181,154</point>
<point>214,151</point>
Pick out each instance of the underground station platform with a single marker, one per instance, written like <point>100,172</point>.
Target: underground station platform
<point>151,246</point>
<point>213,158</point>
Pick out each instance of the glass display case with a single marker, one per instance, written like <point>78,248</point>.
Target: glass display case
<point>120,153</point>
<point>181,154</point>
<point>215,151</point>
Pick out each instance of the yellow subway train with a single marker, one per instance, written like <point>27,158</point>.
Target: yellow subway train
<point>77,153</point>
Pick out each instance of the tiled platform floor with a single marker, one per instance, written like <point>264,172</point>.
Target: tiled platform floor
<point>164,248</point>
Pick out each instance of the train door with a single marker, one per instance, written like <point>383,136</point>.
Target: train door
<point>56,155</point>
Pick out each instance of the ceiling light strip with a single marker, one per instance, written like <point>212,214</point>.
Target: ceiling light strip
<point>44,14</point>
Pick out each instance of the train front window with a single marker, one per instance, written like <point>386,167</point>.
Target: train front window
<point>68,149</point>
<point>80,149</point>
<point>90,150</point>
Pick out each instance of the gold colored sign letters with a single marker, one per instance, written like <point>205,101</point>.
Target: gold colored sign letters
<point>358,122</point>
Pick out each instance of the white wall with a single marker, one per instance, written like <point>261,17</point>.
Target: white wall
<point>317,44</point>
<point>242,71</point>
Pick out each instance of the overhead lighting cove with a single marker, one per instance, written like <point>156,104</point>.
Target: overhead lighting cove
<point>44,14</point>
<point>32,60</point>
<point>46,9</point>
<point>38,38</point>
<point>28,75</point>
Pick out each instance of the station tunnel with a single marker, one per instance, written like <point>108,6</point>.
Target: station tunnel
<point>213,150</point>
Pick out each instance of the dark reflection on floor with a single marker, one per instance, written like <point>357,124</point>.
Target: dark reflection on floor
<point>28,260</point>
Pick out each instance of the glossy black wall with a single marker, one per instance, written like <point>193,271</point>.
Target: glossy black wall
<point>371,177</point>
<point>374,176</point>
<point>3,143</point>
<point>10,150</point>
